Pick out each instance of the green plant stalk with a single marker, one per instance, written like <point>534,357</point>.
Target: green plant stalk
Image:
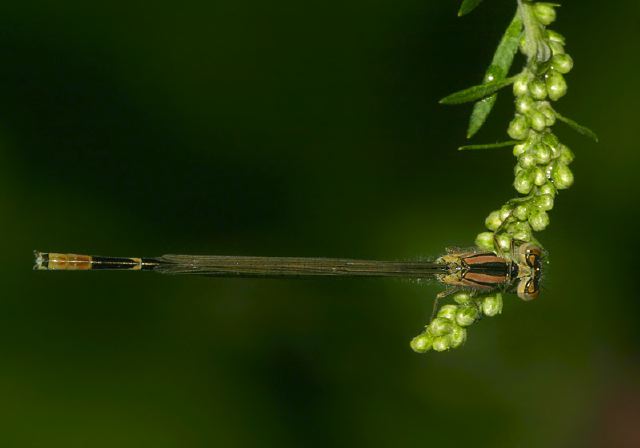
<point>542,161</point>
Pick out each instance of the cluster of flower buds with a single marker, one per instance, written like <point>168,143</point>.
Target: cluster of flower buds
<point>543,162</point>
<point>448,329</point>
<point>542,167</point>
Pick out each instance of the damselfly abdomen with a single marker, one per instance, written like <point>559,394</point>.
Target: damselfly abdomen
<point>459,270</point>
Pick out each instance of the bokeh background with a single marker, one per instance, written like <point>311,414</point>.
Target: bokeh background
<point>308,129</point>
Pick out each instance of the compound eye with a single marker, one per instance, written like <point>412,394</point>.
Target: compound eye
<point>525,250</point>
<point>535,250</point>
<point>528,289</point>
<point>530,254</point>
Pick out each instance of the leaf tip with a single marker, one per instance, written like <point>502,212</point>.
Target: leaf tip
<point>468,6</point>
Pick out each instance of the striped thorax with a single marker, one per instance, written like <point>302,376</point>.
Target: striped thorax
<point>486,271</point>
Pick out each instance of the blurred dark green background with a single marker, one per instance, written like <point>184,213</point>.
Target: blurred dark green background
<point>310,129</point>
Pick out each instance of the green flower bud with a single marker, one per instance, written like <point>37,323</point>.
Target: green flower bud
<point>517,169</point>
<point>556,85</point>
<point>526,237</point>
<point>442,343</point>
<point>518,128</point>
<point>458,336</point>
<point>538,120</point>
<point>518,226</point>
<point>550,140</point>
<point>562,63</point>
<point>439,326</point>
<point>493,221</point>
<point>555,151</point>
<point>538,89</point>
<point>543,154</point>
<point>548,112</point>
<point>548,189</point>
<point>523,182</point>
<point>511,228</point>
<point>484,241</point>
<point>544,202</point>
<point>566,155</point>
<point>539,220</point>
<point>554,36</point>
<point>448,312</point>
<point>556,48</point>
<point>521,231</point>
<point>524,226</point>
<point>505,212</point>
<point>520,149</point>
<point>525,104</point>
<point>545,13</point>
<point>464,298</point>
<point>521,86</point>
<point>521,212</point>
<point>467,315</point>
<point>492,305</point>
<point>422,343</point>
<point>562,176</point>
<point>527,160</point>
<point>504,242</point>
<point>539,178</point>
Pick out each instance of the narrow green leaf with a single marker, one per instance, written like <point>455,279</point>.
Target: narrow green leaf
<point>468,6</point>
<point>578,127</point>
<point>488,146</point>
<point>477,92</point>
<point>499,68</point>
<point>480,113</point>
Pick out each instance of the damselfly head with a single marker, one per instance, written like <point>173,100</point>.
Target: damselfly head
<point>530,260</point>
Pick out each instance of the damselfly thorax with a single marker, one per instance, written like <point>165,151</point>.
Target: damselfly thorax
<point>459,270</point>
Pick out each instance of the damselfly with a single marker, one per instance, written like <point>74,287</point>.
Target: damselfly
<point>472,270</point>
